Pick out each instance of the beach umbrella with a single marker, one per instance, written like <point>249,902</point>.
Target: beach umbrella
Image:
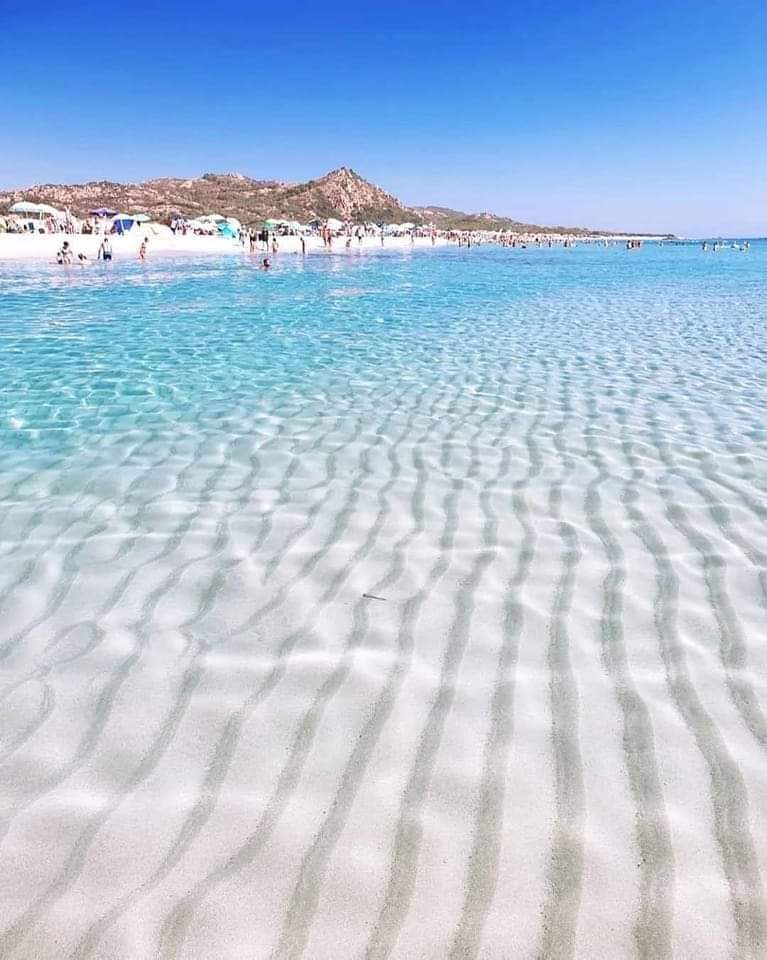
<point>103,212</point>
<point>271,222</point>
<point>140,217</point>
<point>25,206</point>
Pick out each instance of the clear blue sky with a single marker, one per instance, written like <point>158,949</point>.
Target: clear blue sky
<point>644,115</point>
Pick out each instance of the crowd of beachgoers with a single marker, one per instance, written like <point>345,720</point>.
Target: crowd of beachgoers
<point>31,218</point>
<point>269,236</point>
<point>31,229</point>
<point>40,230</point>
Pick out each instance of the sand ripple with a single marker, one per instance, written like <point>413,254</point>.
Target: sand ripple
<point>429,626</point>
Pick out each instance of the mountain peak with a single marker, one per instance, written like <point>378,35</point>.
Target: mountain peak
<point>343,193</point>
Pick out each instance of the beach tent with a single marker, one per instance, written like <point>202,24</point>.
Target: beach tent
<point>122,223</point>
<point>226,229</point>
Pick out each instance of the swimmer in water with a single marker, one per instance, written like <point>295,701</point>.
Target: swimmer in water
<point>266,264</point>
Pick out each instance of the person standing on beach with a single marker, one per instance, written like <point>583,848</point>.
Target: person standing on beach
<point>142,249</point>
<point>303,245</point>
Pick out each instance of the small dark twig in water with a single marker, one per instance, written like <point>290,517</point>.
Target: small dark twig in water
<point>370,596</point>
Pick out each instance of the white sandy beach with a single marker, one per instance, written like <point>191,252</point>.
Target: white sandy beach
<point>15,246</point>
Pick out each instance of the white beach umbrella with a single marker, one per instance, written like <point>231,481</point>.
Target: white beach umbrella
<point>140,217</point>
<point>25,206</point>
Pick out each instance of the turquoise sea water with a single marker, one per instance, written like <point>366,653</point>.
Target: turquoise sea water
<point>549,465</point>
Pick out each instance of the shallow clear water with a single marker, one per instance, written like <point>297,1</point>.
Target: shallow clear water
<point>336,600</point>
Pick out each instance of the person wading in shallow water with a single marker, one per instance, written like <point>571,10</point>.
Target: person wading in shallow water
<point>65,254</point>
<point>142,249</point>
<point>105,249</point>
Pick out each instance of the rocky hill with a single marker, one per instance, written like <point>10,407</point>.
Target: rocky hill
<point>341,193</point>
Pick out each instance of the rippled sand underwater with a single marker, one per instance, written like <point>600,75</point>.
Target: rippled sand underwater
<point>403,606</point>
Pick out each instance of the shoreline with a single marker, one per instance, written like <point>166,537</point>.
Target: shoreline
<point>20,246</point>
<point>45,246</point>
